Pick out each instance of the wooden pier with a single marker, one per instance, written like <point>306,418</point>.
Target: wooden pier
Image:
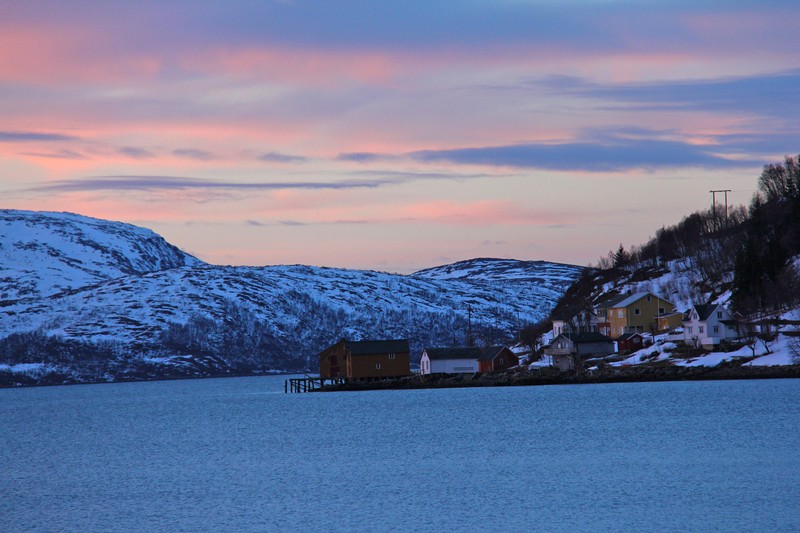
<point>308,384</point>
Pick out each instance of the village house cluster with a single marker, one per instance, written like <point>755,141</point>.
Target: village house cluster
<point>622,324</point>
<point>625,323</point>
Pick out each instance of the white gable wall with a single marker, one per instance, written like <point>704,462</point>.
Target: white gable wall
<point>708,332</point>
<point>454,366</point>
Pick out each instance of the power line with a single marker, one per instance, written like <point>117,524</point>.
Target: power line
<point>714,205</point>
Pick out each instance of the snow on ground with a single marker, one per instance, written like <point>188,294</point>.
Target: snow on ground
<point>781,349</point>
<point>773,359</point>
<point>545,361</point>
<point>782,353</point>
<point>30,369</point>
<point>713,358</point>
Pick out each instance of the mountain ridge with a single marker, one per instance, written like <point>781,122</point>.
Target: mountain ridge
<point>166,311</point>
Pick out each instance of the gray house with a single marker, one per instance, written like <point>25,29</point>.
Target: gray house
<point>569,349</point>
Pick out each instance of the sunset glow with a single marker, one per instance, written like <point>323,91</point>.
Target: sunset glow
<point>393,137</point>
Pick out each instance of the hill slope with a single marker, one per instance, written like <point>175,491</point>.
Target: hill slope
<point>42,254</point>
<point>109,299</point>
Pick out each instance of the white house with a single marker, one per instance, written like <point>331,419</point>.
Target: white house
<point>707,325</point>
<point>584,321</point>
<point>450,360</point>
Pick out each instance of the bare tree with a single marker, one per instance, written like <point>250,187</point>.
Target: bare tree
<point>749,335</point>
<point>794,348</point>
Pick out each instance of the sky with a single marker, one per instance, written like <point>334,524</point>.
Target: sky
<point>394,136</point>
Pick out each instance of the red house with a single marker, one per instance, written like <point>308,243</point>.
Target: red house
<point>496,358</point>
<point>629,342</point>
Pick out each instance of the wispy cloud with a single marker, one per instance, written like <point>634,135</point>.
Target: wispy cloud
<point>277,157</point>
<point>360,180</point>
<point>193,153</point>
<point>597,156</point>
<point>361,157</point>
<point>136,153</point>
<point>396,176</point>
<point>32,136</point>
<point>772,94</point>
<point>299,223</point>
<point>149,183</point>
<point>61,154</point>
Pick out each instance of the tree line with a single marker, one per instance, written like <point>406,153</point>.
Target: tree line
<point>758,243</point>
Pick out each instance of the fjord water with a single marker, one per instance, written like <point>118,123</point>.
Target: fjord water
<point>240,455</point>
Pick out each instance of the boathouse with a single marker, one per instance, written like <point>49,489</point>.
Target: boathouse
<point>365,359</point>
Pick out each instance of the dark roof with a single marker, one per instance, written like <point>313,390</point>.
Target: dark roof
<point>627,336</point>
<point>572,314</point>
<point>704,311</point>
<point>624,300</point>
<point>376,347</point>
<point>465,352</point>
<point>611,302</point>
<point>591,336</point>
<point>487,354</point>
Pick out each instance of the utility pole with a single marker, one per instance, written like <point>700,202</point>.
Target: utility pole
<point>470,342</point>
<point>714,205</point>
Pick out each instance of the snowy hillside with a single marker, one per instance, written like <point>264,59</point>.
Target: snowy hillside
<point>135,299</point>
<point>546,276</point>
<point>42,254</point>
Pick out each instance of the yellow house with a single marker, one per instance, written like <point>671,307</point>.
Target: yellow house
<point>642,312</point>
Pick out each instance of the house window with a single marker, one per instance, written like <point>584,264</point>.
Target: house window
<point>648,297</point>
<point>601,313</point>
<point>500,361</point>
<point>700,329</point>
<point>636,311</point>
<point>719,314</point>
<point>619,313</point>
<point>378,366</point>
<point>391,355</point>
<point>660,310</point>
<point>716,329</point>
<point>689,329</point>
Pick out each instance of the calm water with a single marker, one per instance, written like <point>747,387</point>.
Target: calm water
<point>239,455</point>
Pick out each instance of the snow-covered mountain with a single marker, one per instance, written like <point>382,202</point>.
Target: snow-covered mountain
<point>121,297</point>
<point>42,254</point>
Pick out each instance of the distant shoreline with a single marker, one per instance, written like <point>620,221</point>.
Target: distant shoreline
<point>58,380</point>
<point>512,378</point>
<point>520,378</point>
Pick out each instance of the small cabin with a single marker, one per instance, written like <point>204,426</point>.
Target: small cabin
<point>629,342</point>
<point>496,358</point>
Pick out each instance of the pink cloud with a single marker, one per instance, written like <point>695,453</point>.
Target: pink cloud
<point>54,54</point>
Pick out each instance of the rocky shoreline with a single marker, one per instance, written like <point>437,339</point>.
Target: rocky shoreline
<point>520,377</point>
